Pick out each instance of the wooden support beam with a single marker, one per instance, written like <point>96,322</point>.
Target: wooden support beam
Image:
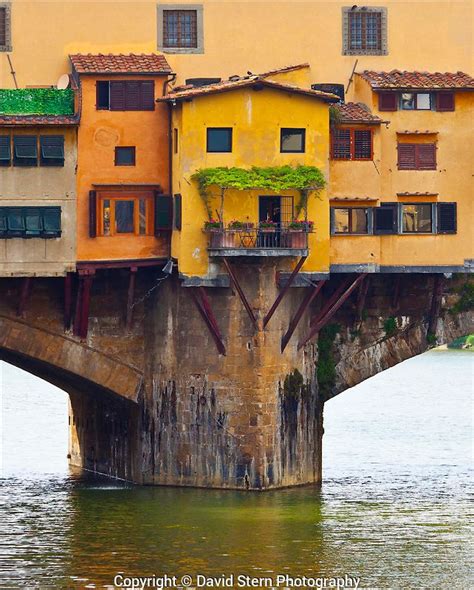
<point>436,299</point>
<point>76,329</point>
<point>24,295</point>
<point>284,291</point>
<point>331,311</point>
<point>130,297</point>
<point>86,295</point>
<point>396,293</point>
<point>332,299</point>
<point>202,303</point>
<point>310,295</point>
<point>68,300</point>
<point>232,275</point>
<point>361,297</point>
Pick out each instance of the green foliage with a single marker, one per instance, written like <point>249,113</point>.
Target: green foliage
<point>466,299</point>
<point>335,117</point>
<point>37,101</point>
<point>390,326</point>
<point>326,371</point>
<point>293,384</point>
<point>464,342</point>
<point>431,339</point>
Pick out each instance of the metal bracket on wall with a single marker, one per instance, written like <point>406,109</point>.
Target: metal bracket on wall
<point>239,290</point>
<point>202,302</point>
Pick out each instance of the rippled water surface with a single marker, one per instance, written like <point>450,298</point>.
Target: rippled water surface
<point>393,509</point>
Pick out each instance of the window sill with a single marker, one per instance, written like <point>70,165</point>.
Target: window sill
<point>365,52</point>
<point>179,50</point>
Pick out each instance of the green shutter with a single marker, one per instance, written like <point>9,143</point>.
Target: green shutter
<point>33,222</point>
<point>163,212</point>
<point>51,222</point>
<point>5,150</point>
<point>3,222</point>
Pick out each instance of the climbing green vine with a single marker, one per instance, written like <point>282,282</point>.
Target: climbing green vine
<point>37,101</point>
<point>326,371</point>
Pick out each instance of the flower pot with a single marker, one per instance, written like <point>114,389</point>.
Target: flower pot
<point>215,238</point>
<point>297,238</point>
<point>228,239</point>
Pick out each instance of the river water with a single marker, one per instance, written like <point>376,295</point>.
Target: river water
<point>393,509</point>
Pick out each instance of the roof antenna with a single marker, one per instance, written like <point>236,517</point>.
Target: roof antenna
<point>12,71</point>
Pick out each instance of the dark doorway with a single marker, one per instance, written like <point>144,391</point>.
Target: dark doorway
<point>270,209</point>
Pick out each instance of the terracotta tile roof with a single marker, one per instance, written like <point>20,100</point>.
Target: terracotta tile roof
<point>352,112</point>
<point>120,63</point>
<point>31,120</point>
<point>284,70</point>
<point>189,92</point>
<point>415,80</point>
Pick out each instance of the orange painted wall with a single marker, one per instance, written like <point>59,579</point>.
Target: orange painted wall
<point>100,132</point>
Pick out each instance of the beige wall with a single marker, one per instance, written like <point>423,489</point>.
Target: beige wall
<point>41,186</point>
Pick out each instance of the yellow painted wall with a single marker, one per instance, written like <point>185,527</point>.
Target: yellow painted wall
<point>255,35</point>
<point>256,119</point>
<point>100,132</point>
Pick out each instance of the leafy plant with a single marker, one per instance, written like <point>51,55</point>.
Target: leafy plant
<point>36,101</point>
<point>239,225</point>
<point>212,224</point>
<point>268,224</point>
<point>390,326</point>
<point>466,299</point>
<point>301,224</point>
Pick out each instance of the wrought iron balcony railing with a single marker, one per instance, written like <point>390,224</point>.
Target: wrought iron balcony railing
<point>279,237</point>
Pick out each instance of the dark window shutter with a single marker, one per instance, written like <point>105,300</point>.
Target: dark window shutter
<point>132,96</point>
<point>102,99</point>
<point>33,222</point>
<point>92,214</point>
<point>163,212</point>
<point>341,144</point>
<point>426,156</point>
<point>447,218</point>
<point>178,211</point>
<point>406,156</point>
<point>117,96</point>
<point>5,150</point>
<point>363,145</point>
<point>51,222</point>
<point>388,101</point>
<point>25,150</point>
<point>16,222</point>
<point>386,219</point>
<point>3,222</point>
<point>52,150</point>
<point>147,96</point>
<point>445,101</point>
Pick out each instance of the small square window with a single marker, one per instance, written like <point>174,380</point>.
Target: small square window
<point>417,218</point>
<point>219,139</point>
<point>180,28</point>
<point>25,150</point>
<point>292,140</point>
<point>364,30</point>
<point>350,220</point>
<point>125,156</point>
<point>5,26</point>
<point>102,95</point>
<point>423,101</point>
<point>407,101</point>
<point>419,101</point>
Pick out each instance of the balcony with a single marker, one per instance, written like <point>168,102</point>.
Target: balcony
<point>279,240</point>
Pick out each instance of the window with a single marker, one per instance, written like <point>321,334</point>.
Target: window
<point>364,31</point>
<point>350,220</point>
<point>416,156</point>
<point>417,218</point>
<point>125,156</point>
<point>5,150</point>
<point>419,101</point>
<point>30,222</point>
<point>292,141</point>
<point>386,219</point>
<point>123,213</point>
<point>447,218</point>
<point>180,28</point>
<point>52,150</point>
<point>123,95</point>
<point>219,139</point>
<point>5,26</point>
<point>351,144</point>
<point>25,150</point>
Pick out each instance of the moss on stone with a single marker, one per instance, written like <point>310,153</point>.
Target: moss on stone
<point>293,384</point>
<point>326,370</point>
<point>390,326</point>
<point>466,299</point>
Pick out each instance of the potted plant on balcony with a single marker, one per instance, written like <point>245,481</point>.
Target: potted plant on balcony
<point>297,233</point>
<point>267,227</point>
<point>215,229</point>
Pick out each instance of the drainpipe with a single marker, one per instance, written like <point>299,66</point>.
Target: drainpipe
<point>167,82</point>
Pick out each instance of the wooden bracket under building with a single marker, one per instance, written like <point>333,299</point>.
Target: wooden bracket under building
<point>283,292</point>
<point>239,290</point>
<point>81,315</point>
<point>130,297</point>
<point>361,298</point>
<point>202,302</point>
<point>310,295</point>
<point>436,300</point>
<point>25,291</point>
<point>334,303</point>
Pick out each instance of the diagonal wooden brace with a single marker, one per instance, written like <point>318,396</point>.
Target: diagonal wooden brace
<point>323,320</point>
<point>330,302</point>
<point>202,303</point>
<point>284,291</point>
<point>239,290</point>
<point>310,295</point>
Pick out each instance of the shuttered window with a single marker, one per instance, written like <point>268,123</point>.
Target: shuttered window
<point>388,101</point>
<point>25,150</point>
<point>5,27</point>
<point>447,218</point>
<point>445,101</point>
<point>178,211</point>
<point>52,150</point>
<point>30,222</point>
<point>115,213</point>
<point>386,219</point>
<point>5,150</point>
<point>416,156</point>
<point>126,95</point>
<point>351,144</point>
<point>180,29</point>
<point>163,212</point>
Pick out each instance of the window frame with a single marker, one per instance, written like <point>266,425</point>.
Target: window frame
<point>23,212</point>
<point>198,9</point>
<point>352,144</point>
<point>350,208</point>
<point>7,46</point>
<point>402,231</point>
<point>231,140</point>
<point>134,196</point>
<point>415,94</point>
<point>133,153</point>
<point>347,48</point>
<point>302,131</point>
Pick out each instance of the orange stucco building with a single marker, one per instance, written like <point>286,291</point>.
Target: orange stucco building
<point>123,167</point>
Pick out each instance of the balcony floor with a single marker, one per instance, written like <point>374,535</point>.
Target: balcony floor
<point>213,252</point>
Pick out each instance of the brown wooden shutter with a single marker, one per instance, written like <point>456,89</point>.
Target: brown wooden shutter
<point>363,145</point>
<point>147,98</point>
<point>386,219</point>
<point>92,214</point>
<point>388,101</point>
<point>117,96</point>
<point>132,96</point>
<point>163,212</point>
<point>445,101</point>
<point>447,218</point>
<point>406,156</point>
<point>426,156</point>
<point>178,211</point>
<point>341,144</point>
